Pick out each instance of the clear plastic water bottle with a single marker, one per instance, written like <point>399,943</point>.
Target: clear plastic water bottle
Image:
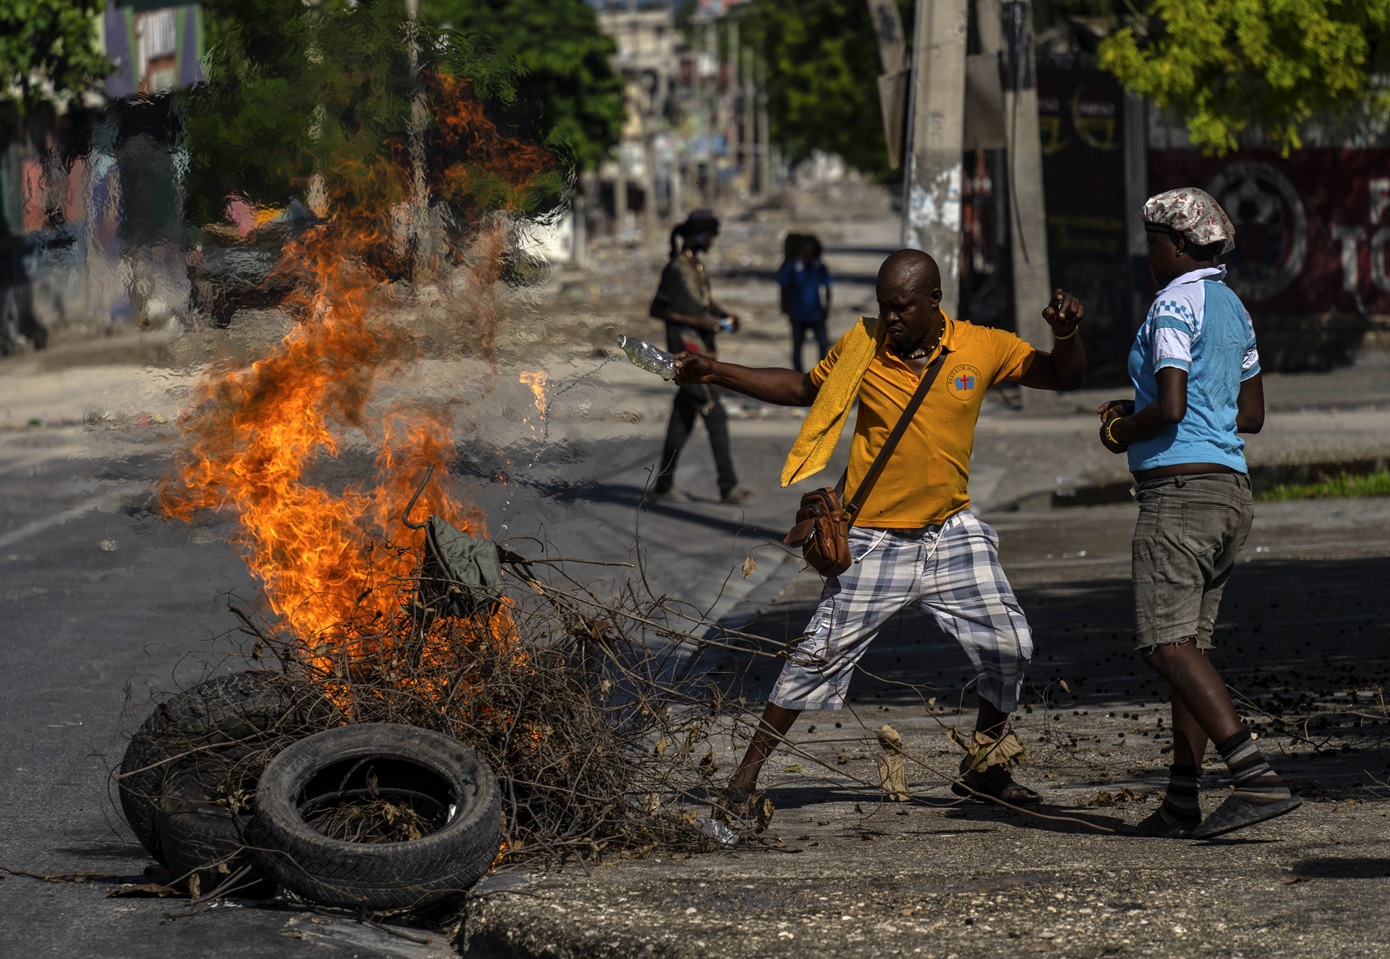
<point>647,357</point>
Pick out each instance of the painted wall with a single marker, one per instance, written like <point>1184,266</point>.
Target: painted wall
<point>1312,229</point>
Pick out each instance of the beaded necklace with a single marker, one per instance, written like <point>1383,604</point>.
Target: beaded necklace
<point>923,352</point>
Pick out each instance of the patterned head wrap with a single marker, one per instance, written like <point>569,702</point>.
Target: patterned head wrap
<point>1193,213</point>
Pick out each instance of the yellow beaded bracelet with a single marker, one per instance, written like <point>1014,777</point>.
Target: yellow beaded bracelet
<point>1109,434</point>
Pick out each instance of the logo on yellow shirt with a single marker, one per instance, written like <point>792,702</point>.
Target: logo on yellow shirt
<point>963,381</point>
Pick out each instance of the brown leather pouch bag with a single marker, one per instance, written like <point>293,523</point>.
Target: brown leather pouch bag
<point>822,532</point>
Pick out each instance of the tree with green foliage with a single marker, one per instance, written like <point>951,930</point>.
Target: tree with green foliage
<point>566,83</point>
<point>48,51</point>
<point>297,93</point>
<point>1227,66</point>
<point>822,77</point>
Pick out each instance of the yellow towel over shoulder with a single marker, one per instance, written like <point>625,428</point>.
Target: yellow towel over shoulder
<point>821,429</point>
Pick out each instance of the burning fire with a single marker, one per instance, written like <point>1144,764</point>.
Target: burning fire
<point>270,444</point>
<point>538,382</point>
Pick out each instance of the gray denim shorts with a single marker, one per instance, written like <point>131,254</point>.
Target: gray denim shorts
<point>1189,533</point>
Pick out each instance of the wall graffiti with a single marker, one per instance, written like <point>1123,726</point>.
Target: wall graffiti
<point>1312,229</point>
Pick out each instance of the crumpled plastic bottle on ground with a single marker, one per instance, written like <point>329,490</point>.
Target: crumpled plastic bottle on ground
<point>722,833</point>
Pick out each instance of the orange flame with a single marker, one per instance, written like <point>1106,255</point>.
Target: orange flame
<point>537,381</point>
<point>272,444</point>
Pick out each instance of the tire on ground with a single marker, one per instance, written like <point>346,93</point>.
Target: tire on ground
<point>203,841</point>
<point>234,720</point>
<point>391,761</point>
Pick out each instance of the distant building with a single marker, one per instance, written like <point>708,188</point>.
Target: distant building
<point>155,47</point>
<point>638,179</point>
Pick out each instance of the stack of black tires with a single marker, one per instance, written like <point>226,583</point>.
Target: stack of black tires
<point>254,783</point>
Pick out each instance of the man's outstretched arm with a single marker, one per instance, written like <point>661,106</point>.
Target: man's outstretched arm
<point>769,384</point>
<point>1065,367</point>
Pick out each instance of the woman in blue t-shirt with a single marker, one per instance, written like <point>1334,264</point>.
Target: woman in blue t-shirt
<point>805,284</point>
<point>1197,385</point>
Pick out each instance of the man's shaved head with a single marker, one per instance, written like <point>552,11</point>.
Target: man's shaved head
<point>911,269</point>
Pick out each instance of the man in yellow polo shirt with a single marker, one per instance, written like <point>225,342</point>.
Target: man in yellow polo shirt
<point>915,540</point>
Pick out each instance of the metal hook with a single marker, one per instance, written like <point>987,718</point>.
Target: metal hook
<point>405,516</point>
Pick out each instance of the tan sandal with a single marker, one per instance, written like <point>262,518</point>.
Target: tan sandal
<point>996,785</point>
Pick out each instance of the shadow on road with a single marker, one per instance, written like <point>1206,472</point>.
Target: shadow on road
<point>1329,867</point>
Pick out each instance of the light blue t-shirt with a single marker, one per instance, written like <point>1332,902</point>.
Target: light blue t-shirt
<point>1195,324</point>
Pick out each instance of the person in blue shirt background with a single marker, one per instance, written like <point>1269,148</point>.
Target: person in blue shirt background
<point>805,283</point>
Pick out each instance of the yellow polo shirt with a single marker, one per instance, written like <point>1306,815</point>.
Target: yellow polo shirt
<point>927,475</point>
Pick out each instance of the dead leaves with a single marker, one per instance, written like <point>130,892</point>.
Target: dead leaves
<point>56,876</point>
<point>146,890</point>
<point>892,773</point>
<point>123,888</point>
<point>984,751</point>
<point>1106,798</point>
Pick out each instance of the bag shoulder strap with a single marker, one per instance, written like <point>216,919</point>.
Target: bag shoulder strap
<point>881,460</point>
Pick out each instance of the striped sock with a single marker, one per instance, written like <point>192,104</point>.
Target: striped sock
<point>1180,802</point>
<point>1255,782</point>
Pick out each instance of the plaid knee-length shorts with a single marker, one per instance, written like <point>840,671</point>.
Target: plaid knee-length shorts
<point>951,572</point>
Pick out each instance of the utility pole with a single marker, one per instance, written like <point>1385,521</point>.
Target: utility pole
<point>420,236</point>
<point>680,158</point>
<point>647,115</point>
<point>700,157</point>
<point>892,82</point>
<point>932,180</point>
<point>1031,282</point>
<point>647,216</point>
<point>764,131</point>
<point>709,184</point>
<point>579,251</point>
<point>620,191</point>
<point>728,98</point>
<point>748,162</point>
